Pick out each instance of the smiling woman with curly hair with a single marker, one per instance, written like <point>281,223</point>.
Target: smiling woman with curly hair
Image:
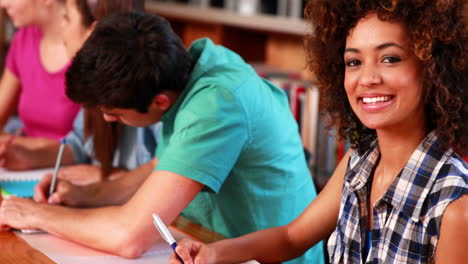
<point>438,35</point>
<point>393,76</point>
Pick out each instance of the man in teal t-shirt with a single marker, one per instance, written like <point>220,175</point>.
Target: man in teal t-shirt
<point>229,156</point>
<point>233,132</point>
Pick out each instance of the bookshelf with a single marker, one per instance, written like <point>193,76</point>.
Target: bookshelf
<point>274,40</point>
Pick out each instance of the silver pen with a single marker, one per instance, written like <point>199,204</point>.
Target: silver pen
<point>166,235</point>
<point>57,166</point>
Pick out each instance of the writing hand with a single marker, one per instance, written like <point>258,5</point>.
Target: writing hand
<point>193,252</point>
<point>65,192</point>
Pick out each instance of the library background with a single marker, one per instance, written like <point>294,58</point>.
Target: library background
<point>269,35</point>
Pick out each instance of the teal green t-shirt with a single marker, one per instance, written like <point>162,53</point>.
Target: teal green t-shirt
<point>233,132</point>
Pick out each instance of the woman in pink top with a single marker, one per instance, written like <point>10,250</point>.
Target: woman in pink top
<point>33,80</point>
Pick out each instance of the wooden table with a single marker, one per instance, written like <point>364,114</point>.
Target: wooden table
<point>14,250</point>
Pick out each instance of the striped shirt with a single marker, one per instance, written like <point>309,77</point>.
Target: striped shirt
<point>406,219</point>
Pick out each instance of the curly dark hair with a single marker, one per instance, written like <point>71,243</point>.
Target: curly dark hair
<point>438,32</point>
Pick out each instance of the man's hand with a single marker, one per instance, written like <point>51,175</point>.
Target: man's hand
<point>65,192</point>
<point>17,213</point>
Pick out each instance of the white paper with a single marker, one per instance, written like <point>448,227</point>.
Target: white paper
<point>67,252</point>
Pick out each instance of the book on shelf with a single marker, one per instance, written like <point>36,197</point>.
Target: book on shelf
<point>309,121</point>
<point>296,91</point>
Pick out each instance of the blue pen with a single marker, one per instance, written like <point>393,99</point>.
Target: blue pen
<point>57,166</point>
<point>165,233</point>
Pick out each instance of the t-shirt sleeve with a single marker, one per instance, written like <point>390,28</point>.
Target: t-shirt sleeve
<point>76,141</point>
<point>147,141</point>
<point>208,137</point>
<point>13,53</point>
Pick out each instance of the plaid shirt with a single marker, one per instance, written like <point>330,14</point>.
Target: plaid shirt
<point>406,223</point>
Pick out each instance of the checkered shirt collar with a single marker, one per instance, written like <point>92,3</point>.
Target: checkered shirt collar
<point>410,188</point>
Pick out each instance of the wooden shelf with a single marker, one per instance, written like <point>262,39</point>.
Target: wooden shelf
<point>273,40</point>
<point>258,22</point>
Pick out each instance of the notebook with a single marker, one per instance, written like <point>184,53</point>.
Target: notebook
<point>21,183</point>
<point>66,252</point>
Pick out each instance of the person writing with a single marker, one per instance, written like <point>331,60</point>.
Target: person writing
<point>102,150</point>
<point>386,70</point>
<point>229,157</point>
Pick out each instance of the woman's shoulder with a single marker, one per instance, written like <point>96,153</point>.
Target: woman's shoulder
<point>27,37</point>
<point>453,222</point>
<point>454,171</point>
<point>451,183</point>
<point>456,213</point>
<point>28,32</point>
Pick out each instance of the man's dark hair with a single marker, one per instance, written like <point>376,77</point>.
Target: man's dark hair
<point>127,60</point>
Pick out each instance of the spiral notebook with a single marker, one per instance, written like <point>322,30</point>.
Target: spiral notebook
<point>21,183</point>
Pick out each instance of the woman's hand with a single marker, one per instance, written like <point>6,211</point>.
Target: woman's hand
<point>14,155</point>
<point>193,252</point>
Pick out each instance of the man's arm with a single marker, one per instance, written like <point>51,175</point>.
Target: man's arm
<point>104,193</point>
<point>125,230</point>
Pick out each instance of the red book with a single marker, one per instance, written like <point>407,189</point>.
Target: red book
<point>295,91</point>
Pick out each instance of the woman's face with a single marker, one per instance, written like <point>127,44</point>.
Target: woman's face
<point>383,76</point>
<point>74,32</point>
<point>21,12</point>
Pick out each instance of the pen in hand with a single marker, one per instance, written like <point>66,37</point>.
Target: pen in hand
<point>57,167</point>
<point>166,235</point>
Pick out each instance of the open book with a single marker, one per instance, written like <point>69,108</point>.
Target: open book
<point>21,183</point>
